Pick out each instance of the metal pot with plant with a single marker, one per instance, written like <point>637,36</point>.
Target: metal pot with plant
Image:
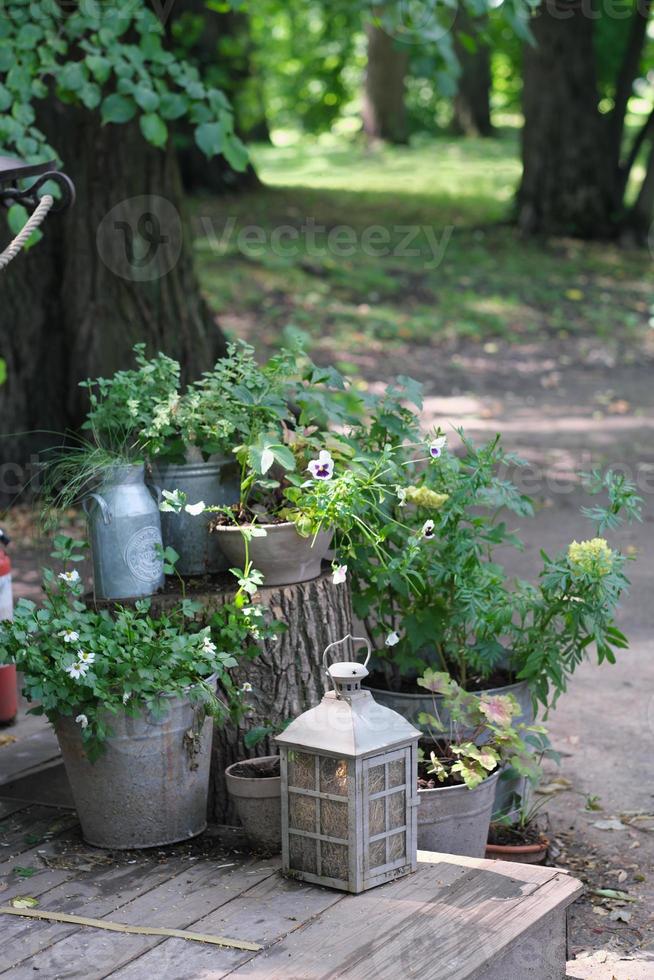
<point>462,761</point>
<point>131,696</point>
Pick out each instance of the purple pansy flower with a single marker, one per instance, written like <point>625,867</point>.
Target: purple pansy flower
<point>323,467</point>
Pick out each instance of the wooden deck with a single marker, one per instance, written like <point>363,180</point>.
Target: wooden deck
<point>455,918</point>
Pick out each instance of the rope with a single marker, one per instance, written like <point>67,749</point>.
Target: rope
<point>23,235</point>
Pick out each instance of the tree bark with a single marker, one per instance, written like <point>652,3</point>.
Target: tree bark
<point>472,101</point>
<point>286,676</point>
<point>568,179</point>
<point>114,270</point>
<point>384,113</point>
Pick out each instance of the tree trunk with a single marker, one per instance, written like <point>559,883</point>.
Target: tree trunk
<point>472,101</point>
<point>114,270</point>
<point>567,184</point>
<point>384,114</point>
<point>286,677</point>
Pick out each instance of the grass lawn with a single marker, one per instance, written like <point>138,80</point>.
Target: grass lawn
<point>405,245</point>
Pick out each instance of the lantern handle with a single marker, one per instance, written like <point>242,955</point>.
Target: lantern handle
<point>348,636</point>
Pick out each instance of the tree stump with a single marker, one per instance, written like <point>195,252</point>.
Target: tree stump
<point>286,677</point>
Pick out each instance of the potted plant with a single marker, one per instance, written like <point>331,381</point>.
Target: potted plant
<point>254,786</point>
<point>462,614</point>
<point>517,835</point>
<point>472,737</point>
<point>105,472</point>
<point>130,696</point>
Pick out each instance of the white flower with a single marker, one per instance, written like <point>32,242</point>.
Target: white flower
<point>69,576</point>
<point>437,446</point>
<point>196,509</point>
<point>133,406</point>
<point>85,658</point>
<point>173,501</point>
<point>77,670</point>
<point>392,639</point>
<point>428,529</point>
<point>82,720</point>
<point>126,696</point>
<point>246,687</point>
<point>323,467</point>
<point>339,574</point>
<point>401,496</point>
<point>207,645</point>
<point>68,636</point>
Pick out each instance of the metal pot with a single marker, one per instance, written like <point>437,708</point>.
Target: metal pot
<point>150,785</point>
<point>216,483</point>
<point>455,819</point>
<point>411,705</point>
<point>125,530</point>
<point>258,803</point>
<point>284,557</point>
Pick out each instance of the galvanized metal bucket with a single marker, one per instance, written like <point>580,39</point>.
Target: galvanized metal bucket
<point>150,786</point>
<point>455,819</point>
<point>125,530</point>
<point>216,483</point>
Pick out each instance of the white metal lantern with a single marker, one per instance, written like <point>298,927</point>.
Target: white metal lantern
<point>349,787</point>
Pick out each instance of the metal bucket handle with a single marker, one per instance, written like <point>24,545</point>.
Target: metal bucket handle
<point>103,505</point>
<point>348,636</point>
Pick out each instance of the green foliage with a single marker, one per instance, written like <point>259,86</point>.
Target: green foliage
<point>474,735</point>
<point>105,58</point>
<point>77,662</point>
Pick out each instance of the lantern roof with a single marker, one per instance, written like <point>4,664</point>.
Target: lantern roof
<point>352,725</point>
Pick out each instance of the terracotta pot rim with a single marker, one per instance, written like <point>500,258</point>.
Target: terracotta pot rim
<point>518,848</point>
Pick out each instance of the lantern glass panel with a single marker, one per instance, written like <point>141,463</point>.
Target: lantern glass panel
<point>396,847</point>
<point>301,770</point>
<point>302,854</point>
<point>377,853</point>
<point>376,816</point>
<point>302,812</point>
<point>396,773</point>
<point>334,860</point>
<point>376,779</point>
<point>334,819</point>
<point>334,776</point>
<point>396,804</point>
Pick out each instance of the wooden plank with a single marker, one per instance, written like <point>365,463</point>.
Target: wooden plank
<point>35,745</point>
<point>264,914</point>
<point>8,807</point>
<point>458,922</point>
<point>130,896</point>
<point>19,829</point>
<point>48,786</point>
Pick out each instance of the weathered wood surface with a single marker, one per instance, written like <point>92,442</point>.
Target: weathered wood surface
<point>455,918</point>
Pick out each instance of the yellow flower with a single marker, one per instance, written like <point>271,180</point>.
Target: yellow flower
<point>424,497</point>
<point>593,556</point>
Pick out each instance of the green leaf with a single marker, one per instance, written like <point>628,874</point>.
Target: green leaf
<point>236,154</point>
<point>3,370</point>
<point>99,67</point>
<point>90,95</point>
<point>172,105</point>
<point>154,129</point>
<point>73,76</point>
<point>117,109</point>
<point>146,98</point>
<point>209,137</point>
